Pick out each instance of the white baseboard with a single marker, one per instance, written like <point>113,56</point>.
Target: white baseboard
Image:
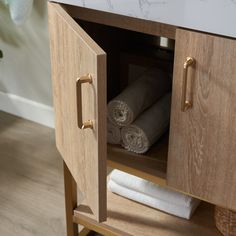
<point>27,109</point>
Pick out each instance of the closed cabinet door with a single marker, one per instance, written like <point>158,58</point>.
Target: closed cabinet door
<point>202,145</point>
<point>79,91</point>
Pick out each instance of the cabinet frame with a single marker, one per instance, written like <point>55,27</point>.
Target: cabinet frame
<point>153,28</point>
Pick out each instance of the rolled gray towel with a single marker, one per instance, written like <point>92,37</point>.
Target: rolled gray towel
<point>138,96</point>
<point>148,127</point>
<point>113,133</point>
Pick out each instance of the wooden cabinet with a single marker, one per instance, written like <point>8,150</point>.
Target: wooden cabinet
<point>202,142</point>
<point>200,156</point>
<point>73,55</point>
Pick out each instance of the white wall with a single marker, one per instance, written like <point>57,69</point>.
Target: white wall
<point>25,85</point>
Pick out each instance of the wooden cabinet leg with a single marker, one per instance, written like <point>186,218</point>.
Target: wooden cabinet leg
<point>70,201</point>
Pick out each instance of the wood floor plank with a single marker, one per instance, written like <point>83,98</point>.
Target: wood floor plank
<point>31,180</point>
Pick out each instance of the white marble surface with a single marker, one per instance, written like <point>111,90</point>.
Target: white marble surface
<point>214,16</point>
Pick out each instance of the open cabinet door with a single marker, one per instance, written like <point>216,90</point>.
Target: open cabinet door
<point>79,90</point>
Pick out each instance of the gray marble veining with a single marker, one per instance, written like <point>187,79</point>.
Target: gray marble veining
<point>214,16</point>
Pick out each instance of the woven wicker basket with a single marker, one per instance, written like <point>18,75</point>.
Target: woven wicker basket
<point>225,221</point>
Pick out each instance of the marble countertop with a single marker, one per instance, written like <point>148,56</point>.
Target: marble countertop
<point>213,16</point>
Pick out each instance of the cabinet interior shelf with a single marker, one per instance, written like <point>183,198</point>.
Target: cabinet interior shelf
<point>151,166</point>
<point>126,218</point>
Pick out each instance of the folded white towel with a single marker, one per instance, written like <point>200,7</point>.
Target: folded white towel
<point>20,10</point>
<point>148,188</point>
<point>113,133</point>
<point>171,208</point>
<point>148,127</point>
<point>138,96</point>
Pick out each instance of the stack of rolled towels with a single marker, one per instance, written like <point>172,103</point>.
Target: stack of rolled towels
<point>140,114</point>
<point>152,195</point>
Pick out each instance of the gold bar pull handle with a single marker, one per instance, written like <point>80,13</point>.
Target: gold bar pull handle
<point>185,103</point>
<point>82,124</point>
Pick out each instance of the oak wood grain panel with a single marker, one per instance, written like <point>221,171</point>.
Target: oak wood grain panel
<point>73,54</point>
<point>126,218</point>
<point>201,159</point>
<point>124,22</point>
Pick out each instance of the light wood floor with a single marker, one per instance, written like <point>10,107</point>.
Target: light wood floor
<point>31,180</point>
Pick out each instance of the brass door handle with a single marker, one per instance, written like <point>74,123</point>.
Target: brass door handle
<point>82,124</point>
<point>185,103</point>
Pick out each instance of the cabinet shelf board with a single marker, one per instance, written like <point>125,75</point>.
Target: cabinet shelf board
<point>126,217</point>
<point>151,166</point>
